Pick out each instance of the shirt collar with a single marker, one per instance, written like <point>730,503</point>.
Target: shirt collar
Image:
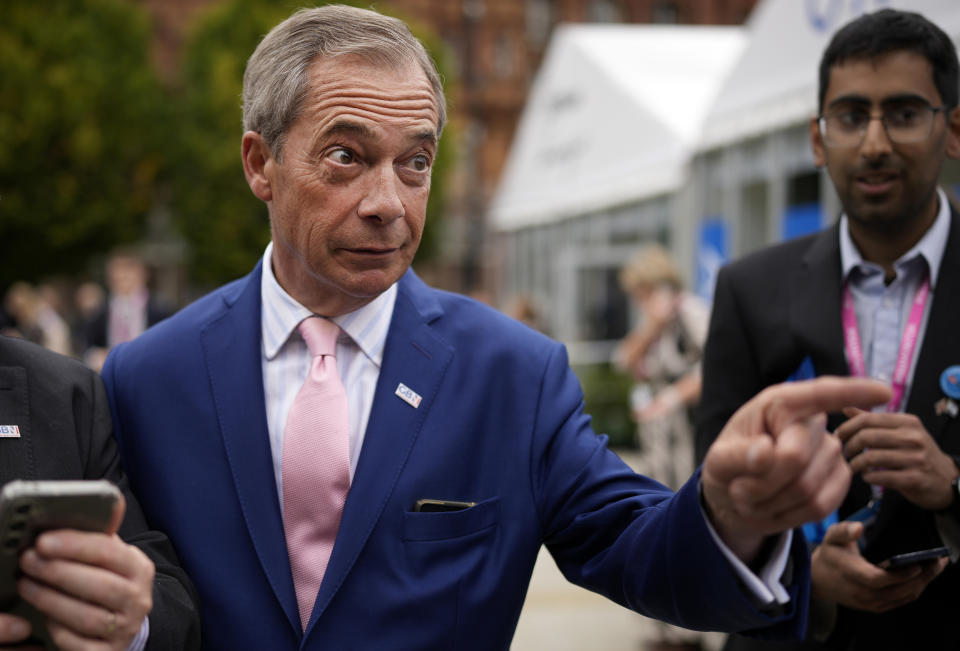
<point>281,313</point>
<point>931,246</point>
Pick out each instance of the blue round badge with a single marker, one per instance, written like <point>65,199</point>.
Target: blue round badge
<point>950,382</point>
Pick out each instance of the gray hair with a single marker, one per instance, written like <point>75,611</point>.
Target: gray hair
<point>276,79</point>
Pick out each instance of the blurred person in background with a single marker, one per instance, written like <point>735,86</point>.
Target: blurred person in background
<point>876,294</point>
<point>89,299</point>
<point>129,309</point>
<point>662,354</point>
<point>524,309</point>
<point>35,319</point>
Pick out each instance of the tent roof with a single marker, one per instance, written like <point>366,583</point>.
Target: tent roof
<point>613,116</point>
<point>774,83</point>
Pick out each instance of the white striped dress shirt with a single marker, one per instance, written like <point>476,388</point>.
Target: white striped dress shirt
<point>286,360</point>
<point>882,310</point>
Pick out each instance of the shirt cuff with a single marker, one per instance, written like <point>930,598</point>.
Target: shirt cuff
<point>766,587</point>
<point>949,529</point>
<point>139,642</point>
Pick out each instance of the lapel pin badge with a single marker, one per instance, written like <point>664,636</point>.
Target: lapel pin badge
<point>9,431</point>
<point>408,395</point>
<point>950,385</point>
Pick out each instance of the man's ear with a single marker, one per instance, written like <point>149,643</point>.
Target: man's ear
<point>953,133</point>
<point>257,163</point>
<point>816,143</point>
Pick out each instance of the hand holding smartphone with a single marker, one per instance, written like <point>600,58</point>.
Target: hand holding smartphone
<point>27,509</point>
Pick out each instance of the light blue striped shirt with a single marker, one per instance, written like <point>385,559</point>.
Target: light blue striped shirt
<point>882,310</point>
<point>286,360</point>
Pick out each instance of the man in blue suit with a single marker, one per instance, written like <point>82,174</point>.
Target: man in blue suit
<point>446,400</point>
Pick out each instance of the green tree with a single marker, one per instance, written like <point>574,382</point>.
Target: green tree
<point>226,226</point>
<point>80,125</point>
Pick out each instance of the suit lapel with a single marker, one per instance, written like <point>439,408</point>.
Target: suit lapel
<point>815,304</point>
<point>231,345</point>
<point>939,348</point>
<point>416,357</point>
<point>815,317</point>
<point>16,454</point>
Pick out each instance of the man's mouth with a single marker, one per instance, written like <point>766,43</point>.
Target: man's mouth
<point>876,182</point>
<point>372,251</point>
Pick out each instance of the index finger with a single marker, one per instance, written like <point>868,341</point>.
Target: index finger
<point>794,401</point>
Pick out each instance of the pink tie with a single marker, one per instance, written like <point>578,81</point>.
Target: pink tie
<point>316,464</point>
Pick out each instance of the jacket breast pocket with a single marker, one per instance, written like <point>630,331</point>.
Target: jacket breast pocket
<point>446,525</point>
<point>449,570</point>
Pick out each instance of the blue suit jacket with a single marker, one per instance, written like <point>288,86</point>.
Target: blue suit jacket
<point>500,424</point>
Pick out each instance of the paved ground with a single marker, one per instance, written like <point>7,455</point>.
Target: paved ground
<point>560,616</point>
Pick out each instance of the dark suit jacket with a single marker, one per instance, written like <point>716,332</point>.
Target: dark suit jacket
<point>500,424</point>
<point>95,330</point>
<point>776,307</point>
<point>65,433</point>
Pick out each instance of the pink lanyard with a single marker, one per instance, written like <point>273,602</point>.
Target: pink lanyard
<point>908,342</point>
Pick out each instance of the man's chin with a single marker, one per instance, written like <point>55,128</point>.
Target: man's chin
<point>870,209</point>
<point>880,219</point>
<point>369,284</point>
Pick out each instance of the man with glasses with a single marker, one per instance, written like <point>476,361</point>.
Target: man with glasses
<point>876,294</point>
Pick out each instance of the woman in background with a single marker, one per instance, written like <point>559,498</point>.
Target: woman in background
<point>662,354</point>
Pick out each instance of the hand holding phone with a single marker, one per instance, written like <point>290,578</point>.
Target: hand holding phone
<point>841,574</point>
<point>29,508</point>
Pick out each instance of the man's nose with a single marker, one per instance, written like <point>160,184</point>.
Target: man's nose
<point>876,142</point>
<point>382,198</point>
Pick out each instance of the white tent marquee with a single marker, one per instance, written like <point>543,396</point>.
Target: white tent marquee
<point>612,117</point>
<point>774,84</point>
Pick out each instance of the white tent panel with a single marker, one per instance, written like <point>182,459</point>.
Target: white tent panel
<point>612,117</point>
<point>774,84</point>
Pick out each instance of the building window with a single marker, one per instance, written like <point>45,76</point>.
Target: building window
<point>603,11</point>
<point>665,13</point>
<point>503,59</point>
<point>539,19</point>
<point>473,9</point>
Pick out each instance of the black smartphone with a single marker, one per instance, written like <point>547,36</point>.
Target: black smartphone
<point>27,509</point>
<point>901,561</point>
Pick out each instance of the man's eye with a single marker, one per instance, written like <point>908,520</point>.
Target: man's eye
<point>851,119</point>
<point>342,156</point>
<point>902,116</point>
<point>419,163</point>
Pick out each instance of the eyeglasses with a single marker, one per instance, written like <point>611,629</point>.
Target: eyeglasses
<point>904,123</point>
